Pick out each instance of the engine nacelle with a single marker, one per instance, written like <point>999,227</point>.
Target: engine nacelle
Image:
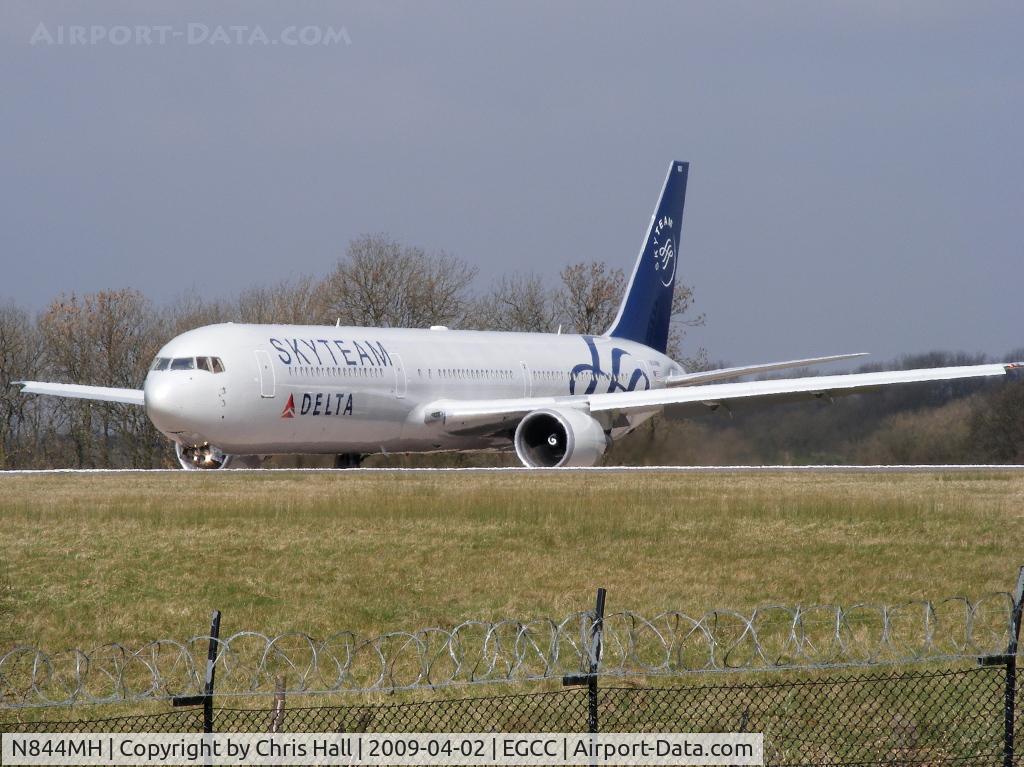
<point>550,438</point>
<point>207,456</point>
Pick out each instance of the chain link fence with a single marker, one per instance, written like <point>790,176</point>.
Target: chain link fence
<point>947,716</point>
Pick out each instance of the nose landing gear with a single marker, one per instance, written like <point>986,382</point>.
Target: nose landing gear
<point>207,456</point>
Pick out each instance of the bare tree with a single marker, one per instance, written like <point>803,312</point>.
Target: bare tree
<point>383,283</point>
<point>105,339</point>
<point>292,302</point>
<point>683,319</point>
<point>997,428</point>
<point>519,302</point>
<point>189,311</point>
<point>69,358</point>
<point>590,296</point>
<point>20,416</point>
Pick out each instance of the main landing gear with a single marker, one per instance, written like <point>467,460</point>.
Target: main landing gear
<point>348,460</point>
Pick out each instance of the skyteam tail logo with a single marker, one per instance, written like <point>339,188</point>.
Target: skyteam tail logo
<point>593,376</point>
<point>289,408</point>
<point>664,250</point>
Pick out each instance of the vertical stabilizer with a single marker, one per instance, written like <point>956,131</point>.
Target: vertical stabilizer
<point>646,309</point>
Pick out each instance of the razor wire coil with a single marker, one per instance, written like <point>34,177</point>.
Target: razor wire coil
<point>507,651</point>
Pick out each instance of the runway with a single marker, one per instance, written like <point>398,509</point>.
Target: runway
<point>816,469</point>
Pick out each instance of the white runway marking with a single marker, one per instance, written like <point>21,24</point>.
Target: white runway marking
<point>596,469</point>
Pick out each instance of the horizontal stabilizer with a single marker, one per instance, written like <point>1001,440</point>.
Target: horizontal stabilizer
<point>77,391</point>
<point>724,374</point>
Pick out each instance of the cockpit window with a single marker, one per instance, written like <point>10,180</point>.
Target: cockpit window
<point>210,364</point>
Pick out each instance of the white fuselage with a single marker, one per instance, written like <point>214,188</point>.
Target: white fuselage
<point>325,389</point>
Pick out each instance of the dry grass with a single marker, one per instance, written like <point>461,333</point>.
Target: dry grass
<point>134,557</point>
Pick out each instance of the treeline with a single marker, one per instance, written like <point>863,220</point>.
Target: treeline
<point>109,338</point>
<point>966,421</point>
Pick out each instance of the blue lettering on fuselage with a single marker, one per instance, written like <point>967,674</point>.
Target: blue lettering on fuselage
<point>362,352</point>
<point>282,352</point>
<point>327,346</point>
<point>345,352</point>
<point>325,403</point>
<point>312,347</point>
<point>300,351</point>
<point>293,345</point>
<point>592,373</point>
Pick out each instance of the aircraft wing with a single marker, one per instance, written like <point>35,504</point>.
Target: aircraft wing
<point>77,391</point>
<point>785,390</point>
<point>724,374</point>
<point>476,415</point>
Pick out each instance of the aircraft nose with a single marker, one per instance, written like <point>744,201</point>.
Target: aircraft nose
<point>165,404</point>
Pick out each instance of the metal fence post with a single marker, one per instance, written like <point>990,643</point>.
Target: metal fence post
<point>594,653</point>
<point>277,712</point>
<point>206,699</point>
<point>1011,670</point>
<point>211,669</point>
<point>596,638</point>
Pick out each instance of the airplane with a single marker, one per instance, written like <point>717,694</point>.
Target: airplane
<point>229,395</point>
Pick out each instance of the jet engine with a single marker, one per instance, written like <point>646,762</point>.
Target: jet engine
<point>550,438</point>
<point>207,456</point>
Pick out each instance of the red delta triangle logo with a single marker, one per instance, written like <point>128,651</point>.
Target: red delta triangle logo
<point>289,409</point>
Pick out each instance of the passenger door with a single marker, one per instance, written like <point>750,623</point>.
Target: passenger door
<point>268,382</point>
<point>401,382</point>
<point>527,380</point>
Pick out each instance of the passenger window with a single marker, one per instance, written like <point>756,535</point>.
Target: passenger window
<point>218,365</point>
<point>183,363</point>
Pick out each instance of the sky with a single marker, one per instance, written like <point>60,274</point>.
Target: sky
<point>855,182</point>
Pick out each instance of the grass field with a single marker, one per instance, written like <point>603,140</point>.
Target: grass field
<point>86,559</point>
